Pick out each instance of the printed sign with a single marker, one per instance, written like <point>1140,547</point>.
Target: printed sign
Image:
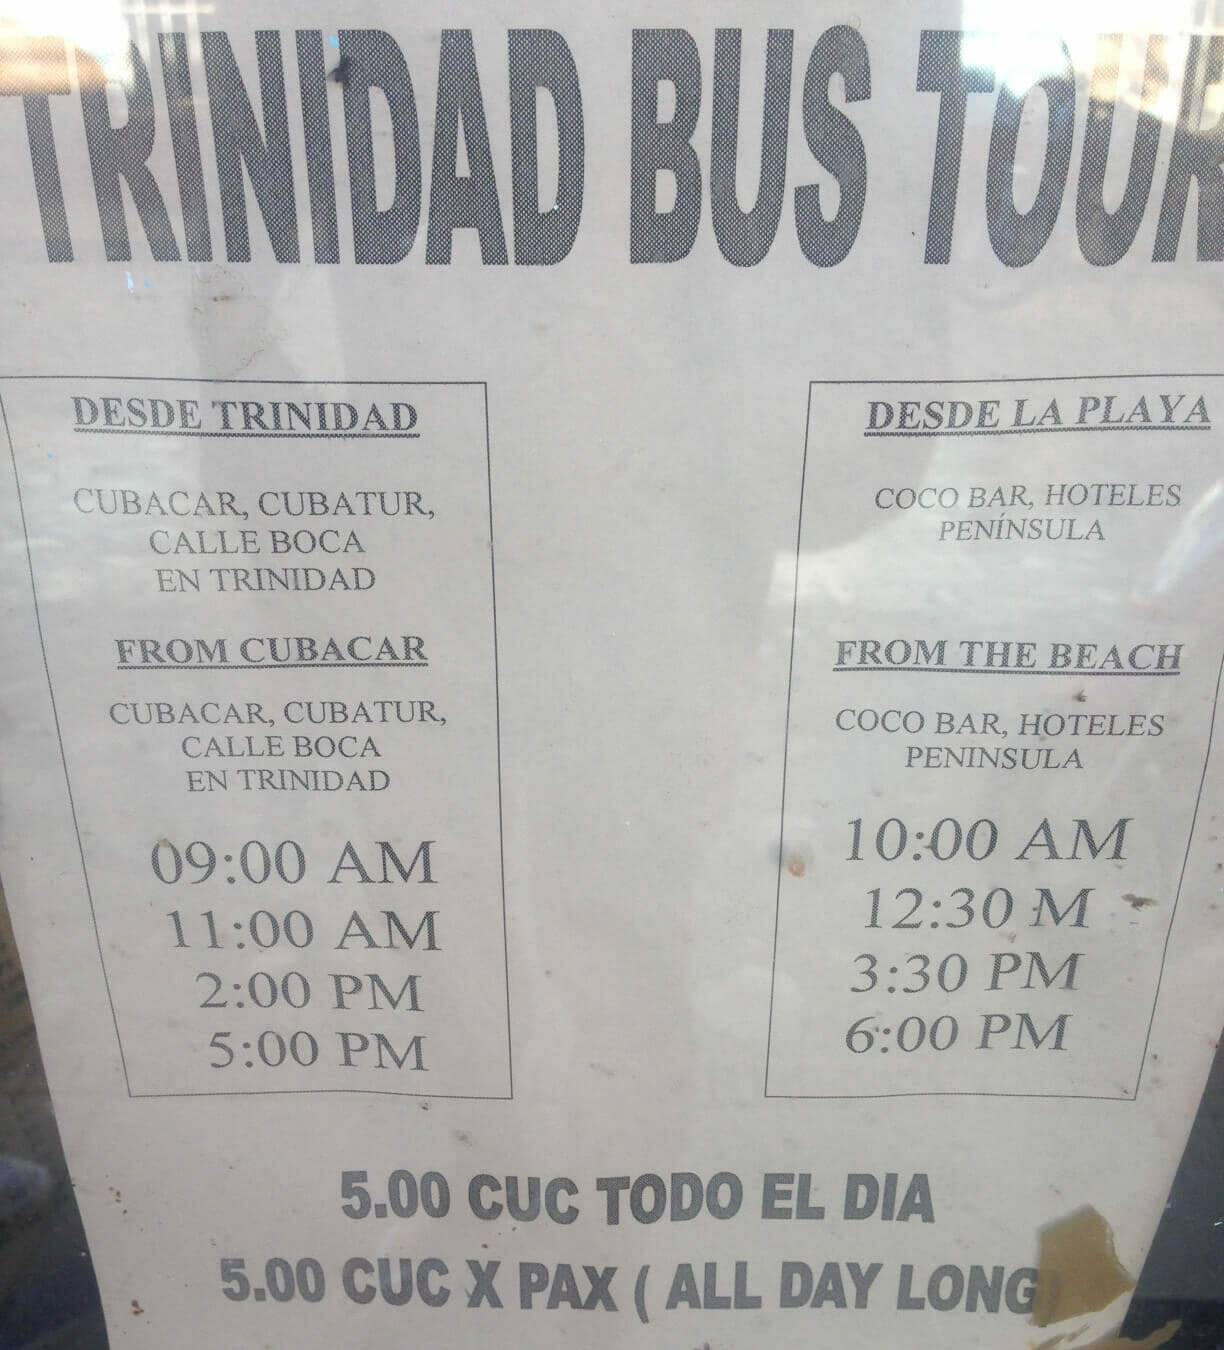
<point>612,661</point>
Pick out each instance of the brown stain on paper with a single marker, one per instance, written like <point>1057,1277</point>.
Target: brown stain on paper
<point>1078,1272</point>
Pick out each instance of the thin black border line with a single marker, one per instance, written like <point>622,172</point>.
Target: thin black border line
<point>790,681</point>
<point>1058,1096</point>
<point>1027,379</point>
<point>1198,801</point>
<point>308,1092</point>
<point>93,916</point>
<point>944,434</point>
<point>223,379</point>
<point>285,665</point>
<point>944,670</point>
<point>266,435</point>
<point>876,1096</point>
<point>501,834</point>
<point>277,1092</point>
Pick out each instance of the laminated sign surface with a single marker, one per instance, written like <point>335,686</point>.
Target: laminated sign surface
<point>612,640</point>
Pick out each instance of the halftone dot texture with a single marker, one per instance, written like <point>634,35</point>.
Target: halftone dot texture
<point>240,146</point>
<point>1019,236</point>
<point>664,54</point>
<point>470,201</point>
<point>745,236</point>
<point>185,137</point>
<point>316,128</point>
<point>940,70</point>
<point>122,152</point>
<point>541,57</point>
<point>835,141</point>
<point>372,60</point>
<point>1197,153</point>
<point>19,59</point>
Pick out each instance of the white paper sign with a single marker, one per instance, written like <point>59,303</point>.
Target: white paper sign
<point>612,655</point>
